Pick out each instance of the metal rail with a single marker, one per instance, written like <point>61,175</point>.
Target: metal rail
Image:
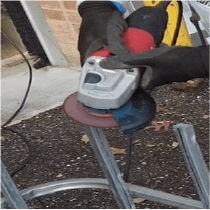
<point>194,160</point>
<point>43,32</point>
<point>123,192</point>
<point>10,191</point>
<point>95,183</point>
<point>109,166</point>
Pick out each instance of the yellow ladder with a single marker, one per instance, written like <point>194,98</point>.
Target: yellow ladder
<point>184,38</point>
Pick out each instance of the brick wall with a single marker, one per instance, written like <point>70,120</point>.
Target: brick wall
<point>64,20</point>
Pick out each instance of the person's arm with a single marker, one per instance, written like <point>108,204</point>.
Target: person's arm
<point>123,6</point>
<point>102,26</point>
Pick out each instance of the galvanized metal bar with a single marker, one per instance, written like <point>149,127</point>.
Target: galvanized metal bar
<point>95,183</point>
<point>194,160</point>
<point>165,198</point>
<point>43,32</point>
<point>109,166</point>
<point>12,194</point>
<point>114,182</point>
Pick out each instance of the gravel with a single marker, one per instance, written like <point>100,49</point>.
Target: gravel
<point>58,152</point>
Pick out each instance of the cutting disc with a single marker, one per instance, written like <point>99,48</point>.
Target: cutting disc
<point>81,114</point>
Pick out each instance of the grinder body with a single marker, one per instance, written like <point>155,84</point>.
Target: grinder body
<point>109,89</point>
<point>103,88</point>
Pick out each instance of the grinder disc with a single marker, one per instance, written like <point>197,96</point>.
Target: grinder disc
<point>81,114</point>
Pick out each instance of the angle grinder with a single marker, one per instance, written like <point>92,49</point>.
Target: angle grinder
<point>101,88</point>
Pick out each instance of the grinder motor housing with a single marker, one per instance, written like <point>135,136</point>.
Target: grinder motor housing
<point>106,89</point>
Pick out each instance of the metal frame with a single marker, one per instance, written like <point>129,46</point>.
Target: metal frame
<point>123,192</point>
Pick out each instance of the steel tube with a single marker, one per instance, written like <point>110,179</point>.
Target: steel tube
<point>10,191</point>
<point>194,160</point>
<point>109,166</point>
<point>96,183</point>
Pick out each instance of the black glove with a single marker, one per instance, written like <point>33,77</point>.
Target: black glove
<point>102,26</point>
<point>165,65</point>
<point>151,19</point>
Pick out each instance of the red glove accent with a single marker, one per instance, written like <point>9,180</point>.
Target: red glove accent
<point>136,40</point>
<point>102,53</point>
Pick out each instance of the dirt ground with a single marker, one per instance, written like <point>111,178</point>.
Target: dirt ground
<point>58,152</point>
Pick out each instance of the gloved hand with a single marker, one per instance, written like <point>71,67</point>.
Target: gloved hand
<point>164,65</point>
<point>150,19</point>
<point>102,26</point>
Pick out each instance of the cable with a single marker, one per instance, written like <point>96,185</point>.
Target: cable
<point>129,145</point>
<point>18,110</point>
<point>16,113</point>
<point>29,83</point>
<point>29,148</point>
<point>128,159</point>
<point>194,19</point>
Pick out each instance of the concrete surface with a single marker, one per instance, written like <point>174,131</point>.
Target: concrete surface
<point>50,87</point>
